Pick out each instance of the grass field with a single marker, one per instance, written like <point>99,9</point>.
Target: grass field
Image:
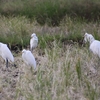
<point>68,73</point>
<point>66,69</point>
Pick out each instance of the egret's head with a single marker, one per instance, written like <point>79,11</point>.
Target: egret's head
<point>86,35</point>
<point>23,51</point>
<point>33,35</point>
<point>88,38</point>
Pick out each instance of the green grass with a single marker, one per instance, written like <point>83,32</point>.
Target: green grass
<point>16,32</point>
<point>52,11</point>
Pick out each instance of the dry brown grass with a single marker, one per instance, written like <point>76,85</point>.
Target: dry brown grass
<point>55,78</point>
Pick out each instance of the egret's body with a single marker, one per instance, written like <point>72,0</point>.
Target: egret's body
<point>28,58</point>
<point>94,44</point>
<point>33,41</point>
<point>95,47</point>
<point>6,53</point>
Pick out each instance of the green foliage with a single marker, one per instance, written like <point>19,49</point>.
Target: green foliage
<point>78,70</point>
<point>75,37</point>
<point>14,32</point>
<point>52,11</point>
<point>67,72</point>
<point>47,40</point>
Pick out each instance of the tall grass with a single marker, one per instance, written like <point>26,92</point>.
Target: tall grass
<point>16,32</point>
<point>61,75</point>
<point>65,69</point>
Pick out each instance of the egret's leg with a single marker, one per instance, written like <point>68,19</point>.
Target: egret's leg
<point>6,62</point>
<point>15,65</point>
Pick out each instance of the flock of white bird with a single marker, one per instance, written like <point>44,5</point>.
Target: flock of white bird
<point>27,55</point>
<point>29,58</point>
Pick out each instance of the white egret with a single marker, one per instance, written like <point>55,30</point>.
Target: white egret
<point>6,53</point>
<point>28,58</point>
<point>94,44</point>
<point>33,41</point>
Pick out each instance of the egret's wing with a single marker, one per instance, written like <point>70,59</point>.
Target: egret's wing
<point>6,53</point>
<point>33,43</point>
<point>24,58</point>
<point>30,59</point>
<point>95,47</point>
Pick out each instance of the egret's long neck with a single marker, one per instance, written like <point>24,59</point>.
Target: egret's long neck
<point>35,37</point>
<point>91,40</point>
